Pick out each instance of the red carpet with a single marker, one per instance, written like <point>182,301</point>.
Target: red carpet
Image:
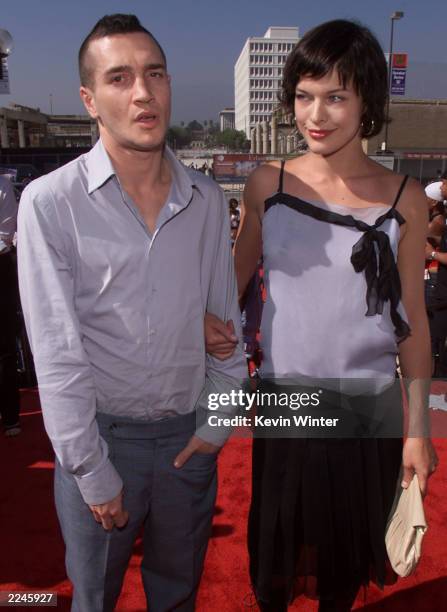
<point>32,556</point>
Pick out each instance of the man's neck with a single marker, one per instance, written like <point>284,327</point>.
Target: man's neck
<point>138,170</point>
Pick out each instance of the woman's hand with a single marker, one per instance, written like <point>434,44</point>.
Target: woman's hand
<point>419,456</point>
<point>220,338</point>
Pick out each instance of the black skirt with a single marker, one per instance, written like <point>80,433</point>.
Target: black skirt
<point>318,515</point>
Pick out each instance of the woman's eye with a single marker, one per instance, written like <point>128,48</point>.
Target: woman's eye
<point>300,96</point>
<point>336,98</point>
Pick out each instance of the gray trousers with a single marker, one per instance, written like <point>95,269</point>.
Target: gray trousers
<point>173,506</point>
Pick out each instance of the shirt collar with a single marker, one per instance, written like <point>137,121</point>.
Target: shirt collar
<point>100,169</point>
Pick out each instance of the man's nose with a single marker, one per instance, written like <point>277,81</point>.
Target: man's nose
<point>142,90</point>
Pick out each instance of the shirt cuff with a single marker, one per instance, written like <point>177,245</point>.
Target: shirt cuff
<point>215,386</point>
<point>102,484</point>
<point>217,434</point>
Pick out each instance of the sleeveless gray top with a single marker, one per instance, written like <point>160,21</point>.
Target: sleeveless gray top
<point>333,308</point>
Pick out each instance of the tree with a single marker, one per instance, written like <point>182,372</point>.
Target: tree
<point>235,140</point>
<point>178,137</point>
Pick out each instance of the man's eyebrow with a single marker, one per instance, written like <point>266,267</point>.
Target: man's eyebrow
<point>115,69</point>
<point>126,68</point>
<point>155,66</point>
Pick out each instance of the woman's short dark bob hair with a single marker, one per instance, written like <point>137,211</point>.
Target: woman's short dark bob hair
<point>352,50</point>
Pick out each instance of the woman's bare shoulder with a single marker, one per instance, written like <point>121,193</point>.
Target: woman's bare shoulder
<point>261,184</point>
<point>413,202</point>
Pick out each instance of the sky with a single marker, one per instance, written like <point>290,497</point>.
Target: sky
<point>202,40</point>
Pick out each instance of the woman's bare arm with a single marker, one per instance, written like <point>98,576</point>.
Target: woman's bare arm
<point>248,247</point>
<point>414,355</point>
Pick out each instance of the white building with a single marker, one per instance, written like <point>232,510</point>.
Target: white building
<point>226,119</point>
<point>258,74</point>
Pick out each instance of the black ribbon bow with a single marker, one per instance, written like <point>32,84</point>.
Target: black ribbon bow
<point>373,255</point>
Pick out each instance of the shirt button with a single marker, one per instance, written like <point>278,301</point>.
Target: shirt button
<point>152,332</point>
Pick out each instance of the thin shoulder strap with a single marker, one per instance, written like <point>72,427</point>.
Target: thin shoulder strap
<point>281,175</point>
<point>399,193</point>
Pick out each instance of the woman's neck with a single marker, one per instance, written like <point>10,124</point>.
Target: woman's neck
<point>348,162</point>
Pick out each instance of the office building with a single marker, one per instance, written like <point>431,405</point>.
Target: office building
<point>258,75</point>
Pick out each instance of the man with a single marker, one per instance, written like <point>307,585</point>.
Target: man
<point>121,252</point>
<point>9,393</point>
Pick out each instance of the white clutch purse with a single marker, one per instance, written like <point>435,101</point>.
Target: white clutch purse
<point>406,528</point>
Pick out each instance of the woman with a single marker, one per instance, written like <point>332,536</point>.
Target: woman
<point>330,226</point>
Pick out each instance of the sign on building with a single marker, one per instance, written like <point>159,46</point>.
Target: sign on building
<point>398,73</point>
<point>398,77</point>
<point>235,167</point>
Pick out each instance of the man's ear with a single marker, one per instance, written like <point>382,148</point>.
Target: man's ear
<point>89,101</point>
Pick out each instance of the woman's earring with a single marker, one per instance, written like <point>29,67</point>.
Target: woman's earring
<point>367,127</point>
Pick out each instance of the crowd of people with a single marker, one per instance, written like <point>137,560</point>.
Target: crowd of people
<point>131,301</point>
<point>436,273</point>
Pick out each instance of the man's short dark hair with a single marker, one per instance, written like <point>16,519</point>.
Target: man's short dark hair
<point>352,50</point>
<point>108,26</point>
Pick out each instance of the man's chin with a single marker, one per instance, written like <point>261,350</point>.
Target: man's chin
<point>148,146</point>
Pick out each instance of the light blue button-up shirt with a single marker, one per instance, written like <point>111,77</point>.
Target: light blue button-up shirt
<point>115,314</point>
